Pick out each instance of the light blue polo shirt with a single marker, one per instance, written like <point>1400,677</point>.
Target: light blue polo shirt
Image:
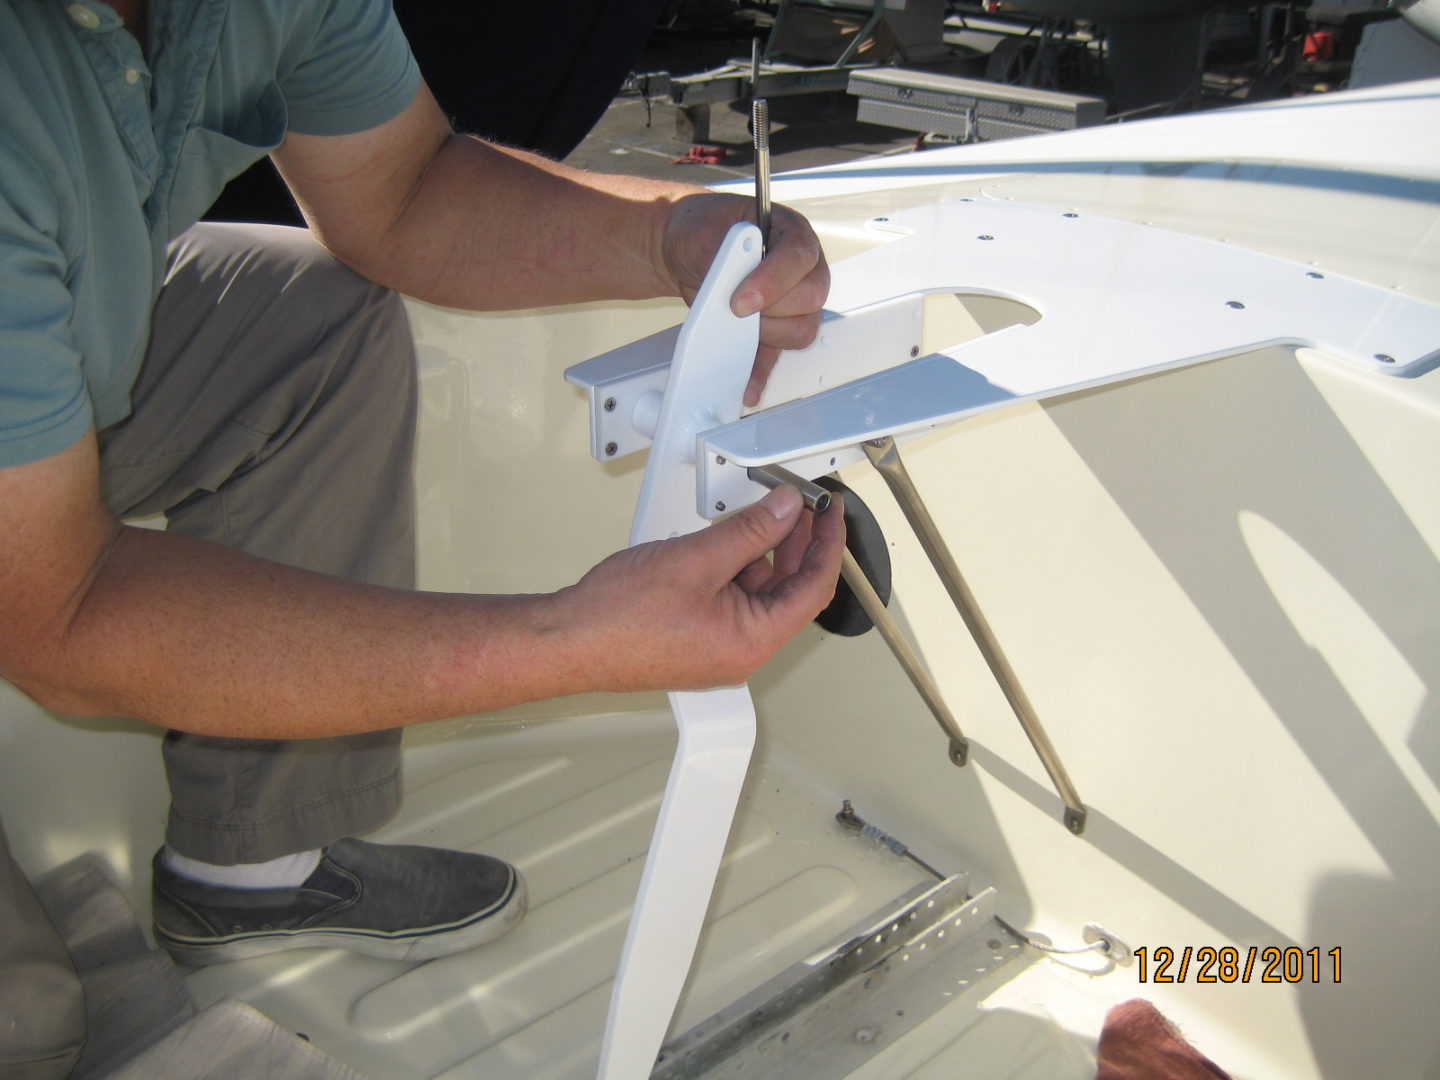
<point>105,157</point>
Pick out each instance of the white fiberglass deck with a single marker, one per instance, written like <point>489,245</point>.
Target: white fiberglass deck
<point>572,803</point>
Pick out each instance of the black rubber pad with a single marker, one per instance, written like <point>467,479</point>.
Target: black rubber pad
<point>867,543</point>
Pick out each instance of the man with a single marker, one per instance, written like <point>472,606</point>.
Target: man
<point>260,394</point>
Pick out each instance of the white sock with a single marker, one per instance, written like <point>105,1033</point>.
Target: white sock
<point>287,871</point>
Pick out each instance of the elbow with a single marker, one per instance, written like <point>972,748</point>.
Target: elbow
<point>48,694</point>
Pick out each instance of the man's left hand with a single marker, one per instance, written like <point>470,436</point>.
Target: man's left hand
<point>788,288</point>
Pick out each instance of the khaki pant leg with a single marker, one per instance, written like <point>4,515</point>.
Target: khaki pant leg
<point>275,413</point>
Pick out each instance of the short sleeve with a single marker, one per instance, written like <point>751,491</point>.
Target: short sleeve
<point>357,71</point>
<point>44,403</point>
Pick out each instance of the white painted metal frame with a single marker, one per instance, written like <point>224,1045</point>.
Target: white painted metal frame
<point>713,355</point>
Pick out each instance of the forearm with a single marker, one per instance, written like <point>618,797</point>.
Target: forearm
<point>457,221</point>
<point>496,228</point>
<point>194,636</point>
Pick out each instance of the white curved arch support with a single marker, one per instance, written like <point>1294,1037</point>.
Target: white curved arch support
<point>713,356</point>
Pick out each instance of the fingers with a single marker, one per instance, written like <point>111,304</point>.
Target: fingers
<point>765,359</point>
<point>802,593</point>
<point>792,279</point>
<point>731,547</point>
<point>789,289</point>
<point>708,609</point>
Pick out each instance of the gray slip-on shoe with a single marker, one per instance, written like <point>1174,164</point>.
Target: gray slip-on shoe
<point>396,902</point>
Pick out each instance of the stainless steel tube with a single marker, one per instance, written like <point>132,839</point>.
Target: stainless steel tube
<point>772,476</point>
<point>885,456</point>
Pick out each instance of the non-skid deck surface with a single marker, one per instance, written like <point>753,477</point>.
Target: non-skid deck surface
<point>572,803</point>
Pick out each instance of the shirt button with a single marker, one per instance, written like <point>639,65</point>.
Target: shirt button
<point>132,76</point>
<point>87,17</point>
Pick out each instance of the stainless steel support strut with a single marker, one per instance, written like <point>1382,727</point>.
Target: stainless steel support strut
<point>919,677</point>
<point>885,456</point>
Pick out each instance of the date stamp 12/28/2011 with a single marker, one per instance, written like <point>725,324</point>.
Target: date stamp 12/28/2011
<point>1229,964</point>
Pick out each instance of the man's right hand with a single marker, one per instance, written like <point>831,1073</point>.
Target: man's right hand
<point>706,609</point>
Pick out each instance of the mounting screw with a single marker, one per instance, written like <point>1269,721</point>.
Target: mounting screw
<point>611,448</point>
<point>914,350</point>
<point>865,1035</point>
<point>1314,274</point>
<point>1236,304</point>
<point>985,236</point>
<point>1384,358</point>
<point>720,507</point>
<point>609,404</point>
<point>1070,215</point>
<point>719,460</point>
<point>882,219</point>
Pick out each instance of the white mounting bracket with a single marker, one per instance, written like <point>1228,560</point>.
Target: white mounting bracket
<point>714,352</point>
<point>627,385</point>
<point>1116,300</point>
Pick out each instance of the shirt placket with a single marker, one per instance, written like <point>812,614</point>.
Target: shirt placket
<point>125,82</point>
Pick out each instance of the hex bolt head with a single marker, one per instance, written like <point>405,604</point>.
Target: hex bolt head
<point>720,507</point>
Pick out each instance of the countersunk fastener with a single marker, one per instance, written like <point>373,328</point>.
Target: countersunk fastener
<point>914,350</point>
<point>609,404</point>
<point>611,448</point>
<point>1236,304</point>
